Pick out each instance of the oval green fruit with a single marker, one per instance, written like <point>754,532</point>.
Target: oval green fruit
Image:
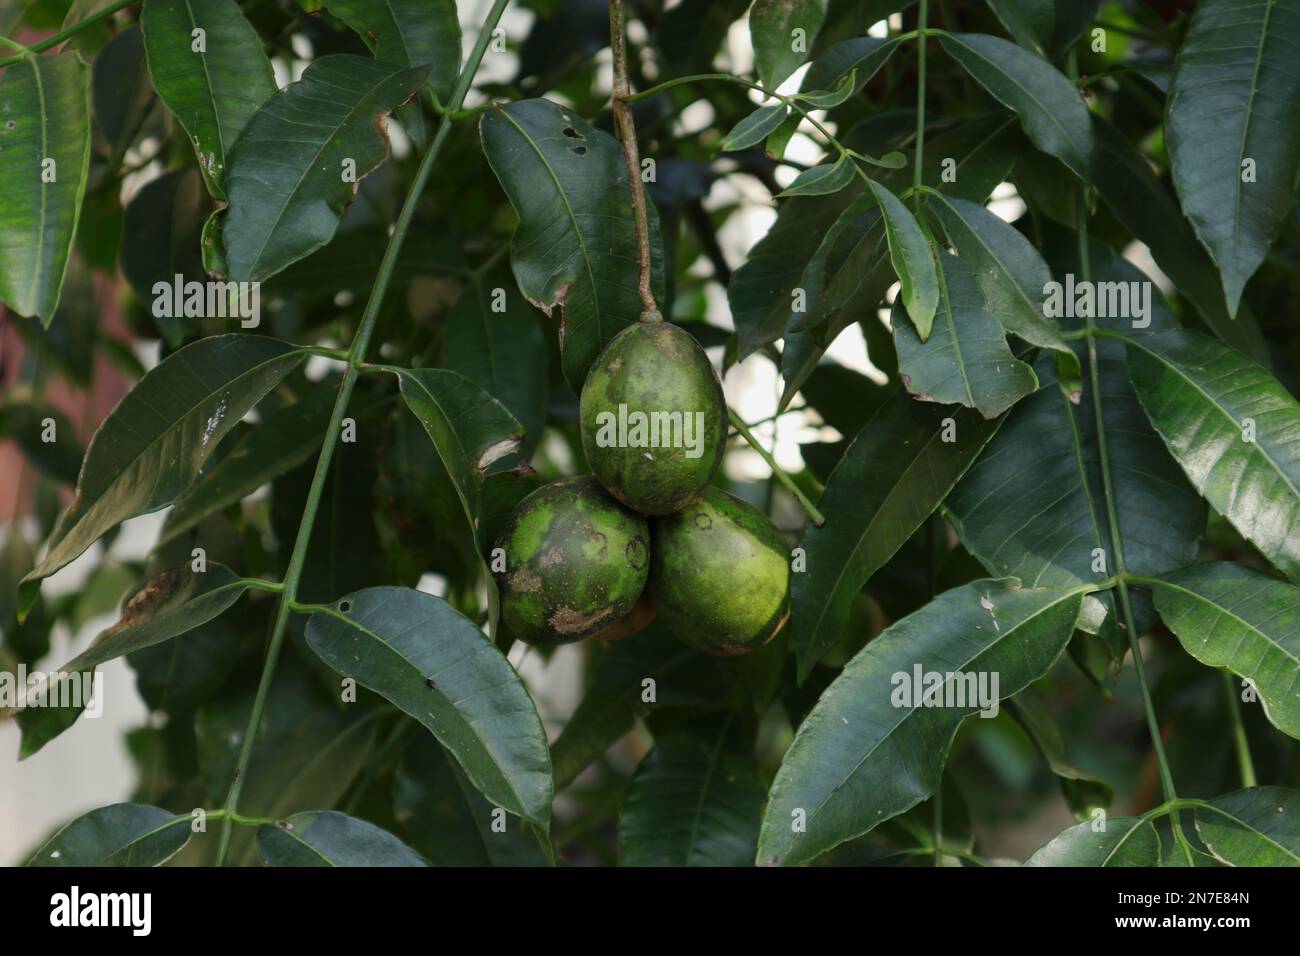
<point>720,574</point>
<point>575,561</point>
<point>654,422</point>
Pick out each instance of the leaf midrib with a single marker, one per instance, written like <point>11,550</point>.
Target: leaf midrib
<point>907,713</point>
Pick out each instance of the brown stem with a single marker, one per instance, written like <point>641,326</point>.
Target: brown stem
<point>627,133</point>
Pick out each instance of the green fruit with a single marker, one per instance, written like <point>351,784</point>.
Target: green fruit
<point>575,561</point>
<point>720,574</point>
<point>654,423</point>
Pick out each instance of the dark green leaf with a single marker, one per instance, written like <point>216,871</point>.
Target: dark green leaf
<point>892,477</point>
<point>821,180</point>
<point>1050,109</point>
<point>120,92</point>
<point>1232,106</point>
<point>859,59</point>
<point>1034,505</point>
<point>755,127</point>
<point>492,338</point>
<point>124,834</point>
<point>1255,827</point>
<point>149,449</point>
<point>329,838</point>
<point>1125,841</point>
<point>1083,792</point>
<point>1234,429</point>
<point>782,32</point>
<point>409,33</point>
<point>575,246</point>
<point>283,440</point>
<point>1147,209</point>
<point>859,758</point>
<point>296,166</point>
<point>29,422</point>
<point>1011,274</point>
<point>695,800</point>
<point>44,158</point>
<point>470,429</point>
<point>913,261</point>
<point>417,652</point>
<point>966,360</point>
<point>447,820</point>
<point>1237,618</point>
<point>212,82</point>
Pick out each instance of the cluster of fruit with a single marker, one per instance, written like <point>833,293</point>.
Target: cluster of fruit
<point>645,534</point>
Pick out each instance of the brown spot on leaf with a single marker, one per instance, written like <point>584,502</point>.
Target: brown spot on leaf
<point>146,602</point>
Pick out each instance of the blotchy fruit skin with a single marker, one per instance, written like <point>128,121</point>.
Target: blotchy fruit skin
<point>720,574</point>
<point>575,562</point>
<point>653,367</point>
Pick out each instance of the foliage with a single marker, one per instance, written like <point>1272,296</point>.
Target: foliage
<point>1064,231</point>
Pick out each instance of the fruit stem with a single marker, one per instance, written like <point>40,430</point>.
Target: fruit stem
<point>627,133</point>
<point>786,481</point>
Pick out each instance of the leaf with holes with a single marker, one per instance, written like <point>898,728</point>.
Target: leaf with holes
<point>575,246</point>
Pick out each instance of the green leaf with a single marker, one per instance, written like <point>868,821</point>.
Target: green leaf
<point>212,91</point>
<point>44,159</point>
<point>1083,792</point>
<point>966,360</point>
<point>856,60</point>
<point>1255,827</point>
<point>1034,505</point>
<point>286,176</point>
<point>120,92</point>
<point>828,99</point>
<point>821,180</point>
<point>778,50</point>
<point>859,758</point>
<point>1048,27</point>
<point>1011,274</point>
<point>330,838</point>
<point>695,800</point>
<point>1147,209</point>
<point>913,261</point>
<point>124,834</point>
<point>168,606</point>
<point>893,476</point>
<point>283,440</point>
<point>469,428</point>
<point>491,337</point>
<point>1232,103</point>
<point>446,819</point>
<point>575,246</point>
<point>151,446</point>
<point>414,650</point>
<point>1126,841</point>
<point>1234,430</point>
<point>409,33</point>
<point>755,127</point>
<point>23,419</point>
<point>1242,620</point>
<point>1050,109</point>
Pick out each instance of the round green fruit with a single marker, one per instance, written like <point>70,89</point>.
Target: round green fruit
<point>654,423</point>
<point>575,561</point>
<point>720,574</point>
